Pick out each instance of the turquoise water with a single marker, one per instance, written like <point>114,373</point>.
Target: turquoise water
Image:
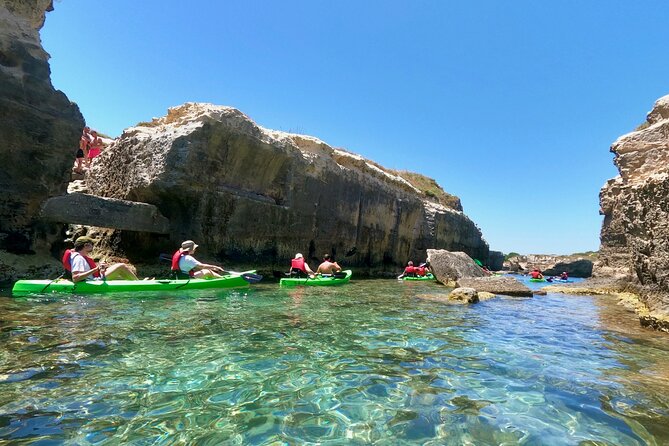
<point>373,362</point>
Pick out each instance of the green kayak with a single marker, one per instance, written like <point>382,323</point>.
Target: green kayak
<point>318,280</point>
<point>420,278</point>
<point>537,280</point>
<point>24,287</point>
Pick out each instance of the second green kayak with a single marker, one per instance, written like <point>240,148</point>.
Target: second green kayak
<point>318,280</point>
<point>425,277</point>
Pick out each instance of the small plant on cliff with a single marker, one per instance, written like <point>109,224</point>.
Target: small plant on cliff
<point>431,189</point>
<point>510,255</point>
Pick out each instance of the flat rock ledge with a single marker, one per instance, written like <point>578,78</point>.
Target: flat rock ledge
<point>507,286</point>
<point>628,294</point>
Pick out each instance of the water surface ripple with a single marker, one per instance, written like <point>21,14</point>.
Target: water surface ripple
<point>373,362</point>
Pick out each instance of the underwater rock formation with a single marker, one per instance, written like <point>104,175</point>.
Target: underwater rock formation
<point>635,205</point>
<point>250,194</point>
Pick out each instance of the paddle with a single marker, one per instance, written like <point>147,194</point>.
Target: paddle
<point>249,277</point>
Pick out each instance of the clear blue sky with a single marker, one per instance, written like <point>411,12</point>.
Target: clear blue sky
<point>510,105</point>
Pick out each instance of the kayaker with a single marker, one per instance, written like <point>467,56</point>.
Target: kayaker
<point>185,266</point>
<point>409,270</point>
<point>328,268</point>
<point>299,267</point>
<point>424,269</point>
<point>83,267</point>
<point>536,274</point>
<point>564,276</point>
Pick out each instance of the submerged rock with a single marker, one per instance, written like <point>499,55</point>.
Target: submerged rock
<point>249,194</point>
<point>464,295</point>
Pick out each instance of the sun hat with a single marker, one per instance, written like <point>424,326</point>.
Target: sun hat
<point>298,256</point>
<point>81,241</point>
<point>188,245</point>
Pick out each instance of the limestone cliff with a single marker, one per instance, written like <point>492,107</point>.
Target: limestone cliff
<point>39,128</point>
<point>635,205</point>
<point>250,194</point>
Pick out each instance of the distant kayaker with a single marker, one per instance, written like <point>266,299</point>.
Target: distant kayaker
<point>424,269</point>
<point>185,266</point>
<point>564,276</point>
<point>327,268</point>
<point>409,271</point>
<point>299,267</point>
<point>536,274</point>
<point>83,267</point>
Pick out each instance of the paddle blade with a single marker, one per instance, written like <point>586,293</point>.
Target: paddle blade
<point>252,278</point>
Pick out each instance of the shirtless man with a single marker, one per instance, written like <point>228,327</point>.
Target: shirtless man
<point>328,268</point>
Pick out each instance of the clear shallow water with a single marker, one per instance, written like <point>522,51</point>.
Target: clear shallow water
<point>373,362</point>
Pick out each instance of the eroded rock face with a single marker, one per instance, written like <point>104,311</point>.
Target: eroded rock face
<point>245,193</point>
<point>635,205</point>
<point>39,127</point>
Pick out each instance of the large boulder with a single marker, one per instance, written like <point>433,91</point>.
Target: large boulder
<point>249,194</point>
<point>39,129</point>
<point>635,205</point>
<point>449,266</point>
<point>496,285</point>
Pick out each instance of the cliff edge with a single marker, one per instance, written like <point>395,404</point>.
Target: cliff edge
<point>635,205</point>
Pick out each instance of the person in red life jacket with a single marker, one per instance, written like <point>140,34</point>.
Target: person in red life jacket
<point>82,266</point>
<point>299,267</point>
<point>564,276</point>
<point>328,268</point>
<point>423,269</point>
<point>409,271</point>
<point>536,274</point>
<point>187,267</point>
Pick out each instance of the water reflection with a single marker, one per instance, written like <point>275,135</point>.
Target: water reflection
<point>374,361</point>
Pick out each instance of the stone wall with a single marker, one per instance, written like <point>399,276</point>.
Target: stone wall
<point>635,205</point>
<point>39,129</point>
<point>250,194</point>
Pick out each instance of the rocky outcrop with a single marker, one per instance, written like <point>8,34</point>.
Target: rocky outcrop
<point>39,128</point>
<point>635,205</point>
<point>464,295</point>
<point>245,193</point>
<point>507,286</point>
<point>449,266</point>
<point>551,265</point>
<point>90,210</point>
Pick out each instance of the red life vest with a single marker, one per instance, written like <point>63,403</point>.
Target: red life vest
<point>410,270</point>
<point>535,274</point>
<point>176,258</point>
<point>67,261</point>
<point>420,270</point>
<point>298,264</point>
